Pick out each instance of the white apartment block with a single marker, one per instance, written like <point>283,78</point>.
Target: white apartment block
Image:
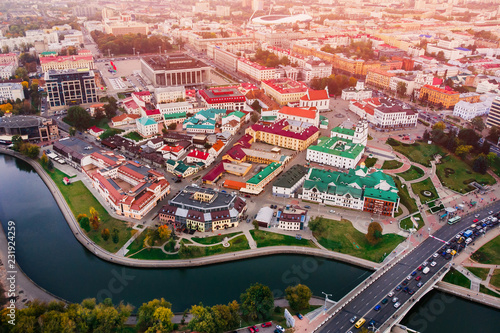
<point>169,94</point>
<point>225,59</point>
<point>449,54</point>
<point>11,91</point>
<point>146,127</point>
<point>256,71</point>
<point>169,108</point>
<point>8,70</point>
<point>316,69</point>
<point>469,111</point>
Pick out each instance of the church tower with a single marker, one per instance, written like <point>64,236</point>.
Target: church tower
<point>361,132</point>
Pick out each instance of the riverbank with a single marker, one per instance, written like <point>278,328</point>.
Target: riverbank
<point>240,255</point>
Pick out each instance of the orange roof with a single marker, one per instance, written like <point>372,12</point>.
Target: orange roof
<point>218,145</point>
<point>298,112</point>
<point>234,184</point>
<point>315,95</point>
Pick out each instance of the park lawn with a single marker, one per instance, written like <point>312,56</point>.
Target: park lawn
<point>213,239</point>
<point>134,136</point>
<point>399,212</point>
<point>420,221</point>
<point>455,277</point>
<point>406,223</point>
<point>487,291</point>
<point>186,241</point>
<point>425,184</point>
<point>370,161</point>
<point>237,244</point>
<point>79,200</point>
<point>489,253</point>
<point>495,278</point>
<point>391,165</point>
<point>419,152</point>
<point>481,273</point>
<point>462,174</point>
<point>341,236</point>
<point>404,196</point>
<point>266,238</point>
<point>103,123</point>
<point>412,173</point>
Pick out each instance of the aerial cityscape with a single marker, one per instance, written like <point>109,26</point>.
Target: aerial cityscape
<point>250,166</point>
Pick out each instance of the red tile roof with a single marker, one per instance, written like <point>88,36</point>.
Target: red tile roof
<point>298,112</point>
<point>315,95</point>
<point>198,154</point>
<point>277,128</point>
<point>96,129</point>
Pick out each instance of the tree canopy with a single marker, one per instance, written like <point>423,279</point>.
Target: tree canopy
<point>78,117</point>
<point>257,302</point>
<point>298,296</point>
<point>125,44</point>
<point>374,234</point>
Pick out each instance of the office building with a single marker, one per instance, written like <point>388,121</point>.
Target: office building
<point>70,87</point>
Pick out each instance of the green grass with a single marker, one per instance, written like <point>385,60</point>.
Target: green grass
<point>484,290</point>
<point>370,161</point>
<point>103,123</point>
<point>412,173</point>
<point>186,241</point>
<point>391,165</point>
<point>237,244</point>
<point>213,239</point>
<point>80,199</point>
<point>489,253</point>
<point>457,278</point>
<point>406,223</point>
<point>399,212</point>
<point>153,240</point>
<point>495,278</point>
<point>481,273</point>
<point>425,184</point>
<point>341,236</point>
<point>134,136</point>
<point>121,96</point>
<point>462,174</point>
<point>420,152</point>
<point>266,238</point>
<point>404,196</point>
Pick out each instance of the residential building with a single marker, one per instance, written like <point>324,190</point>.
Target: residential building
<point>357,189</point>
<point>357,93</point>
<point>315,68</point>
<point>67,62</point>
<point>11,91</point>
<point>437,96</point>
<point>223,98</point>
<point>119,28</point>
<point>318,99</point>
<point>280,135</point>
<point>169,94</point>
<point>256,184</point>
<point>284,90</point>
<point>256,71</point>
<point>385,113</point>
<point>177,118</point>
<point>379,78</point>
<point>9,58</point>
<point>146,127</point>
<point>7,70</point>
<point>291,218</point>
<point>226,60</point>
<point>174,152</point>
<point>70,87</point>
<point>290,181</point>
<point>175,70</point>
<point>130,189</point>
<point>469,111</point>
<point>124,119</point>
<point>203,209</point>
<point>195,156</point>
<point>175,108</point>
<point>494,115</point>
<point>309,116</point>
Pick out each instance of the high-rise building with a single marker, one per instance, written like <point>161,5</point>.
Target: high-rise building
<point>494,115</point>
<point>70,87</point>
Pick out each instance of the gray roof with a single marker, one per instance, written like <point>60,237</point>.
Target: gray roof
<point>291,176</point>
<point>20,121</point>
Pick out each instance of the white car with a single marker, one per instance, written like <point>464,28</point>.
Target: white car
<point>408,277</point>
<point>390,294</point>
<point>433,264</point>
<point>394,300</point>
<point>397,305</point>
<point>278,327</point>
<point>435,255</point>
<point>332,211</point>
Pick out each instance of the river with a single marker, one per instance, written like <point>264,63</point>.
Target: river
<point>50,255</point>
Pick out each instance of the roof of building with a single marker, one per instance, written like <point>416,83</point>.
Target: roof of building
<point>198,154</point>
<point>315,95</point>
<point>278,129</point>
<point>339,147</point>
<point>146,121</point>
<point>299,112</point>
<point>96,129</point>
<point>289,178</point>
<point>264,173</point>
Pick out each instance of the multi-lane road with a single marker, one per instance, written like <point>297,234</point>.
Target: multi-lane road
<point>363,305</point>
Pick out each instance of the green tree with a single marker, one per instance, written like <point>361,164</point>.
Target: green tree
<point>85,223</point>
<point>164,232</point>
<point>374,234</point>
<point>463,150</point>
<point>172,126</point>
<point>72,131</point>
<point>478,123</point>
<point>401,89</point>
<point>494,134</point>
<point>257,302</point>
<point>162,321</point>
<point>30,150</point>
<point>115,236</point>
<point>44,159</point>
<point>145,314</point>
<point>203,319</point>
<point>439,126</point>
<point>110,110</point>
<point>79,118</point>
<point>298,296</point>
<point>17,141</point>
<point>480,164</point>
<point>491,157</point>
<point>469,137</point>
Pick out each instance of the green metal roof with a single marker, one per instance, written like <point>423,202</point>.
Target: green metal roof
<point>264,173</point>
<point>381,195</point>
<point>338,146</point>
<point>145,121</point>
<point>176,115</point>
<point>342,130</point>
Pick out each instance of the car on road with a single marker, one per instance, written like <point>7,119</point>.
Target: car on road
<point>353,319</point>
<point>419,268</point>
<point>281,329</point>
<point>405,289</point>
<point>435,263</point>
<point>418,278</point>
<point>405,282</point>
<point>255,328</point>
<point>299,316</point>
<point>331,211</point>
<point>477,215</point>
<point>372,323</point>
<point>390,294</point>
<point>384,301</point>
<point>408,277</point>
<point>395,299</point>
<point>397,305</point>
<point>425,263</point>
<point>268,324</point>
<point>435,255</point>
<point>475,220</point>
<point>398,288</point>
<point>414,273</point>
<point>411,292</point>
<point>420,284</point>
<point>307,206</point>
<point>251,330</point>
<point>377,308</point>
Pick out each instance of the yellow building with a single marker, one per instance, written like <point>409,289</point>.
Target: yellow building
<point>379,78</point>
<point>437,96</point>
<point>278,134</point>
<point>284,90</point>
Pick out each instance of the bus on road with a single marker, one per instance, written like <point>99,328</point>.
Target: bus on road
<point>454,220</point>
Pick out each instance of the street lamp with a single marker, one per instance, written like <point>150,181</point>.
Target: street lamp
<point>326,299</point>
<point>133,48</point>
